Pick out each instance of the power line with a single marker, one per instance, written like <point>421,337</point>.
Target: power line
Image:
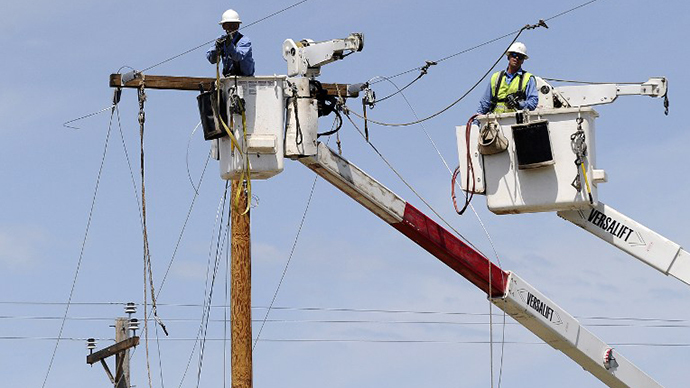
<point>211,41</point>
<point>353,321</point>
<point>292,251</point>
<point>354,340</point>
<point>464,51</point>
<point>517,35</point>
<point>409,186</point>
<point>344,310</point>
<point>83,245</point>
<point>418,121</point>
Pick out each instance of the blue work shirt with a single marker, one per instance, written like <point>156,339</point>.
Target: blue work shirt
<point>530,102</point>
<point>236,56</point>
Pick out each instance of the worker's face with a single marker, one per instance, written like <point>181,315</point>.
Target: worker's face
<point>231,27</point>
<point>515,60</point>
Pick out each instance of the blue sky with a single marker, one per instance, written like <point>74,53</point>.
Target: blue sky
<point>57,61</point>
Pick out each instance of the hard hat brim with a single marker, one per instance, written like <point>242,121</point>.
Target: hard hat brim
<point>526,56</point>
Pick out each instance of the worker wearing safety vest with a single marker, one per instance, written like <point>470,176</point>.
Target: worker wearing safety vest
<point>233,48</point>
<point>511,89</point>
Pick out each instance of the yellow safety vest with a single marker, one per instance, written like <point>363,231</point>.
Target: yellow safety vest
<point>500,90</point>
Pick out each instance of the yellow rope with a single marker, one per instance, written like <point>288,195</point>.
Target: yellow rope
<point>233,139</point>
<point>246,173</point>
<point>584,174</point>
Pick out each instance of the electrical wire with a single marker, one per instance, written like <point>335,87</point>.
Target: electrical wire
<point>207,306</point>
<point>409,186</point>
<point>343,340</point>
<point>294,244</point>
<point>464,51</point>
<point>220,242</point>
<point>337,310</point>
<point>517,35</point>
<point>588,82</point>
<point>184,226</point>
<point>462,97</point>
<point>213,40</point>
<point>66,123</point>
<point>355,321</point>
<point>129,166</point>
<point>228,278</point>
<point>142,224</point>
<point>189,142</point>
<point>116,100</point>
<point>287,264</point>
<point>421,124</point>
<point>83,245</point>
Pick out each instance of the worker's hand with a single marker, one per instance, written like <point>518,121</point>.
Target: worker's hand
<point>221,41</point>
<point>512,102</point>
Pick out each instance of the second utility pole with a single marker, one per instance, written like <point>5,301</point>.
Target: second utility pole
<point>240,290</point>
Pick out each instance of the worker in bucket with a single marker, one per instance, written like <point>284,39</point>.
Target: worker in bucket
<point>511,89</point>
<point>233,48</point>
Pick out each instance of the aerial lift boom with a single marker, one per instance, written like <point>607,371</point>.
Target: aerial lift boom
<point>505,289</point>
<point>513,186</point>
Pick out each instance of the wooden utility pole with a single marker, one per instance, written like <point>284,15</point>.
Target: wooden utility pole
<point>121,352</point>
<point>240,313</point>
<point>122,358</point>
<point>241,290</point>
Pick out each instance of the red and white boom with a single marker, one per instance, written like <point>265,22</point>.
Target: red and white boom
<point>505,289</point>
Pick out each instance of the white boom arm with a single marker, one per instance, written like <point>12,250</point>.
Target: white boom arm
<point>597,94</point>
<point>505,289</point>
<point>633,238</point>
<point>306,57</point>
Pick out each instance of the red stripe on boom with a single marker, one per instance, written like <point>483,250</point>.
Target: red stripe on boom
<point>459,256</point>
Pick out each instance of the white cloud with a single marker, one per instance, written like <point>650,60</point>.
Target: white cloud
<point>267,253</point>
<point>19,248</point>
<point>189,270</point>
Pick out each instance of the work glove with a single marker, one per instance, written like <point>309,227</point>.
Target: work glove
<point>512,102</point>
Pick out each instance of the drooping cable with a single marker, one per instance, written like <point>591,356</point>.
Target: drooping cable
<point>184,226</point>
<point>409,186</point>
<point>480,222</point>
<point>147,259</point>
<point>422,72</point>
<point>462,97</point>
<point>287,264</point>
<point>207,306</point>
<point>83,246</point>
<point>179,240</point>
<point>228,279</point>
<point>116,100</point>
<point>542,23</point>
<point>141,221</point>
<point>294,244</point>
<point>220,243</point>
<point>189,142</point>
<point>464,51</point>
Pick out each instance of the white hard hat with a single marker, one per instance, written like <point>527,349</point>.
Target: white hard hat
<point>230,16</point>
<point>518,47</point>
